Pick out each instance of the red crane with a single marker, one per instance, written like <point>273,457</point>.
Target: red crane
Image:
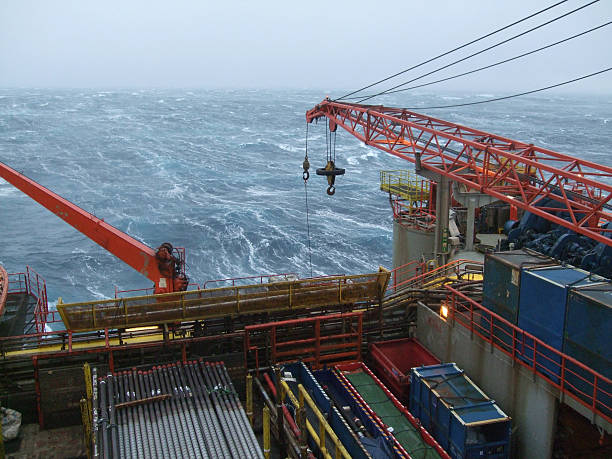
<point>161,266</point>
<point>509,170</point>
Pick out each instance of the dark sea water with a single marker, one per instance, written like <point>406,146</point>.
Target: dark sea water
<point>219,173</point>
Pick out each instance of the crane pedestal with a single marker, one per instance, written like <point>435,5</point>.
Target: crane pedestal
<point>472,200</point>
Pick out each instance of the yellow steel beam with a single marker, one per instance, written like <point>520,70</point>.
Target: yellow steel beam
<point>340,450</point>
<point>324,427</point>
<point>89,344</point>
<point>266,432</point>
<point>249,398</point>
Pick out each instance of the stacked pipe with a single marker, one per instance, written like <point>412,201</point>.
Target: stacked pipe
<point>176,410</point>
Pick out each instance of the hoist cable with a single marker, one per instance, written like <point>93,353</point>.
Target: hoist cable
<point>480,52</point>
<point>496,63</point>
<point>327,156</point>
<point>513,95</point>
<point>308,228</point>
<point>334,147</point>
<point>307,211</point>
<point>455,49</point>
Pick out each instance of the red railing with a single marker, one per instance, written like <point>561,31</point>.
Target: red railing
<point>571,377</point>
<point>31,283</point>
<point>406,272</point>
<point>4,286</point>
<point>323,347</point>
<point>423,278</point>
<point>421,216</point>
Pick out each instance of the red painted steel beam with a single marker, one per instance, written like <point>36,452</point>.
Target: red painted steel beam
<point>136,254</point>
<point>509,170</point>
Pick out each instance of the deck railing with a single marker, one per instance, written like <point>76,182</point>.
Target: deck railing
<point>31,283</point>
<point>4,287</point>
<point>323,340</point>
<point>422,278</point>
<point>233,281</point>
<point>573,378</point>
<point>224,301</point>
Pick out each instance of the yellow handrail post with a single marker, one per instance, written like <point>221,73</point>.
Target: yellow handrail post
<point>280,419</point>
<point>1,440</point>
<point>88,389</point>
<point>85,418</point>
<point>266,432</point>
<point>249,398</point>
<point>302,426</point>
<point>322,436</point>
<point>324,428</point>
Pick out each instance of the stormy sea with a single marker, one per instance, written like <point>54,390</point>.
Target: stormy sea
<point>219,172</point>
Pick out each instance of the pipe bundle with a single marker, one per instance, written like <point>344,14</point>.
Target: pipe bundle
<point>175,410</point>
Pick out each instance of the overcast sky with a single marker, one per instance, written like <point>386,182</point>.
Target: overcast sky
<point>331,44</point>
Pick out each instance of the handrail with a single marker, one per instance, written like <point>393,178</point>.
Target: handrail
<point>411,269</point>
<point>218,302</point>
<point>150,290</point>
<point>21,280</point>
<point>426,278</point>
<point>38,289</point>
<point>406,184</point>
<point>309,348</point>
<point>261,277</point>
<point>324,427</point>
<point>4,286</point>
<point>31,283</point>
<point>530,352</point>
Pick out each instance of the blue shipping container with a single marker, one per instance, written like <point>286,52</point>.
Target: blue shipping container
<point>588,331</point>
<point>501,289</point>
<point>458,414</point>
<point>542,312</point>
<point>502,276</point>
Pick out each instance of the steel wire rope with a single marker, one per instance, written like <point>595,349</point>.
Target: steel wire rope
<point>454,49</point>
<point>495,64</point>
<point>481,51</point>
<point>307,211</point>
<point>514,95</point>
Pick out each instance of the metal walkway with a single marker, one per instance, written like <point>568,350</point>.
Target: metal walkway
<point>314,293</point>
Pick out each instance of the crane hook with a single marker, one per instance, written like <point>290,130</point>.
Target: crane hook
<point>330,171</point>
<point>306,166</point>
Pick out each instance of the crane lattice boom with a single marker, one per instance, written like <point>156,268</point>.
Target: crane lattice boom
<point>509,170</point>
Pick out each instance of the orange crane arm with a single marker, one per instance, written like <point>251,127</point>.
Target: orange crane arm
<point>509,170</point>
<point>136,254</point>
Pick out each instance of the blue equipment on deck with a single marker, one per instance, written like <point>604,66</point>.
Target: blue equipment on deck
<point>550,239</point>
<point>463,420</point>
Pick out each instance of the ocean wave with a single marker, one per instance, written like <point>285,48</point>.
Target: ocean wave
<point>225,185</point>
